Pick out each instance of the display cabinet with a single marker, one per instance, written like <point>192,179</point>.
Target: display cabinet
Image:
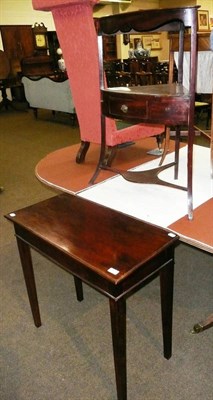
<point>18,43</point>
<point>109,48</point>
<point>26,49</point>
<point>170,104</point>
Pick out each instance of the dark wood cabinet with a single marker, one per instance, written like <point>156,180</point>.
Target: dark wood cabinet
<point>18,43</point>
<point>40,65</point>
<point>109,48</point>
<point>203,41</point>
<point>24,56</point>
<point>19,46</point>
<point>53,45</point>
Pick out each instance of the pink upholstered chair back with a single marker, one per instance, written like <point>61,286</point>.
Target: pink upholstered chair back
<point>78,39</point>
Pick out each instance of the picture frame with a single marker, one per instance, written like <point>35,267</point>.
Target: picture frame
<point>147,42</point>
<point>203,20</point>
<point>151,42</point>
<point>156,44</point>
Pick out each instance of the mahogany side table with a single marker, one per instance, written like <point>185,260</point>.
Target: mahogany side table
<point>114,253</point>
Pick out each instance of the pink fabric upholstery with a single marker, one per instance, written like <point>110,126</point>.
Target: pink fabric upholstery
<point>78,40</point>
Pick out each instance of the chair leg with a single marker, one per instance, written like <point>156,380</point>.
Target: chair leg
<point>82,152</point>
<point>203,325</point>
<point>159,139</point>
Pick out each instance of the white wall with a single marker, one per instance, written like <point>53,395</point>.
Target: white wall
<point>204,4</point>
<point>21,12</point>
<point>18,12</point>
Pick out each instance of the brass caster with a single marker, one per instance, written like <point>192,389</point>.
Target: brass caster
<point>202,326</point>
<point>197,328</point>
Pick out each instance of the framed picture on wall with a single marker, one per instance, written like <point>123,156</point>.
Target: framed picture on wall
<point>156,44</point>
<point>151,42</point>
<point>147,42</point>
<point>203,20</point>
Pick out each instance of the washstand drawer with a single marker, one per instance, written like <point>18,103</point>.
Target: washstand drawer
<point>170,110</point>
<point>124,107</point>
<point>173,111</point>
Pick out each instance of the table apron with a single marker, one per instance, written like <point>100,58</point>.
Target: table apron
<point>166,110</point>
<point>75,267</point>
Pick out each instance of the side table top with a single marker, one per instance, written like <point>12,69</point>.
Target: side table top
<point>111,244</point>
<point>166,90</point>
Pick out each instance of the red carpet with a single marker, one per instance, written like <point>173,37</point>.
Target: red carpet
<point>59,169</point>
<point>199,232</point>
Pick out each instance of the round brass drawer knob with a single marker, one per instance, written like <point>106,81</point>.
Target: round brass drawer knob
<point>124,108</point>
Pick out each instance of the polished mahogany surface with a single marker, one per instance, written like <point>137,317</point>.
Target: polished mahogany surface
<point>166,90</point>
<point>96,236</point>
<point>110,251</point>
<point>165,103</point>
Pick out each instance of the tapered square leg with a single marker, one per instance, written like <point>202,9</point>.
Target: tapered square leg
<point>26,262</point>
<point>166,285</point>
<point>79,288</point>
<point>118,325</point>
